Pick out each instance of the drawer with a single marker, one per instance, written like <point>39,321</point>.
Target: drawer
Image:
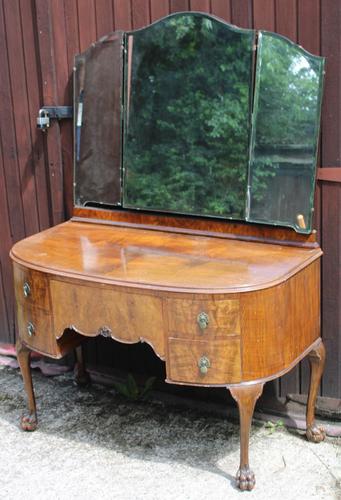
<point>200,362</point>
<point>31,287</point>
<point>203,319</point>
<point>35,328</point>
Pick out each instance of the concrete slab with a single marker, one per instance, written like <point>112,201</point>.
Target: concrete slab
<point>93,444</point>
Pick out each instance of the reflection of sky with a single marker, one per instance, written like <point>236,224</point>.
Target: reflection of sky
<point>299,63</point>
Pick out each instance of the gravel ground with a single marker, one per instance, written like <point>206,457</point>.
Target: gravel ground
<point>93,444</point>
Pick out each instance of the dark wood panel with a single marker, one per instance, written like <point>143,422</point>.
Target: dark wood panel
<point>63,96</point>
<point>72,30</point>
<point>104,17</point>
<point>34,95</point>
<point>200,5</point>
<point>309,22</point>
<point>331,111</point>
<point>8,142</point>
<point>158,8</point>
<point>242,13</point>
<point>7,332</point>
<point>21,115</point>
<point>179,5</point>
<point>87,23</point>
<point>286,18</point>
<point>122,14</point>
<point>140,13</point>
<point>6,299</point>
<point>331,196</point>
<point>309,36</point>
<point>221,8</point>
<point>18,205</point>
<point>50,98</point>
<point>331,277</point>
<point>264,15</point>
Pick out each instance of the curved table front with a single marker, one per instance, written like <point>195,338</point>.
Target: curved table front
<point>133,284</point>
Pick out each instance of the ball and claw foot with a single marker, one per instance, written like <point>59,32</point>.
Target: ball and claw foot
<point>245,479</point>
<point>29,422</point>
<point>315,434</point>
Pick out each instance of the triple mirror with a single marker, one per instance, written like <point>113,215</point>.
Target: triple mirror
<point>194,116</point>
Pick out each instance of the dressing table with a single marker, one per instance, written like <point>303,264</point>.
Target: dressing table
<point>194,172</point>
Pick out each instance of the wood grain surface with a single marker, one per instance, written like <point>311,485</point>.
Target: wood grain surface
<point>160,260</point>
<point>197,225</point>
<point>280,323</point>
<point>130,317</point>
<point>224,357</point>
<point>223,317</point>
<point>274,326</point>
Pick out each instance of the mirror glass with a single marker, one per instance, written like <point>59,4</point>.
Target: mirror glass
<point>187,116</point>
<point>97,123</point>
<point>188,95</point>
<point>285,129</point>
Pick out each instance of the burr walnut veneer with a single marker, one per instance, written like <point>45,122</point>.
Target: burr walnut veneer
<point>218,310</point>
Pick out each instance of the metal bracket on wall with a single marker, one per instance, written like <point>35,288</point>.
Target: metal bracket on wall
<point>47,113</point>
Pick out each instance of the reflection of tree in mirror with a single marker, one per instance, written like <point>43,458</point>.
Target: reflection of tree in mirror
<point>285,129</point>
<point>288,95</point>
<point>186,147</point>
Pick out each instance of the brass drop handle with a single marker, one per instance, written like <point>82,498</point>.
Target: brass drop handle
<point>30,329</point>
<point>26,289</point>
<point>202,320</point>
<point>204,364</point>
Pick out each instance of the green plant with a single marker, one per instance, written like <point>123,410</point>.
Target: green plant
<point>274,426</point>
<point>132,391</point>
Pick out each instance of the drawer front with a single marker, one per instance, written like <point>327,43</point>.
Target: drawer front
<point>35,328</point>
<point>203,362</point>
<point>99,310</point>
<point>31,288</point>
<point>203,319</point>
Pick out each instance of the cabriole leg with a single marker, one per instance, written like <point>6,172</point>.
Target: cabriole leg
<point>28,421</point>
<point>317,359</point>
<point>246,397</point>
<point>81,375</point>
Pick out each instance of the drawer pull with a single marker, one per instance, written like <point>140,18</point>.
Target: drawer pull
<point>30,329</point>
<point>202,320</point>
<point>204,364</point>
<point>26,289</point>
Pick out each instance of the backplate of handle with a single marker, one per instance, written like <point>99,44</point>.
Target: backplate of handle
<point>204,364</point>
<point>202,320</point>
<point>26,289</point>
<point>30,329</point>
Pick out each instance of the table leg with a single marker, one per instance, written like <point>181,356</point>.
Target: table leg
<point>246,397</point>
<point>316,358</point>
<point>81,375</point>
<point>29,420</point>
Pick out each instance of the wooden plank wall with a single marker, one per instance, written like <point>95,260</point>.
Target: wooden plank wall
<point>38,39</point>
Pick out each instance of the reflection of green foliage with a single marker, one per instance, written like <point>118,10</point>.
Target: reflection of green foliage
<point>285,131</point>
<point>189,118</point>
<point>288,97</point>
<point>188,121</point>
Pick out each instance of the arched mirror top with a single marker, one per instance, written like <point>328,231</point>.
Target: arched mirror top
<point>191,115</point>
